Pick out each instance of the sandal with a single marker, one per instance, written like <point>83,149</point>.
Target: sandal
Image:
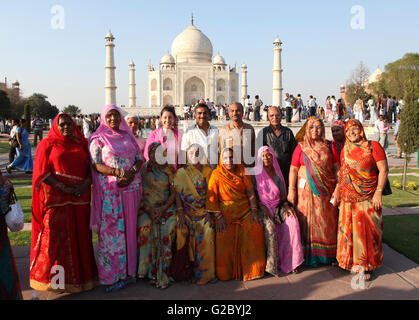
<point>8,169</point>
<point>368,276</point>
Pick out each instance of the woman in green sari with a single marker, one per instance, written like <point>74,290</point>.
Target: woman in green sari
<point>157,220</point>
<point>195,233</point>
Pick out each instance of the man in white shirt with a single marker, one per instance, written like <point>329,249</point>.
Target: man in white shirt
<point>204,134</point>
<point>247,107</point>
<point>313,106</point>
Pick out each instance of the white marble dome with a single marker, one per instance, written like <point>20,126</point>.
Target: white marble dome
<point>167,59</point>
<point>219,60</point>
<point>191,45</point>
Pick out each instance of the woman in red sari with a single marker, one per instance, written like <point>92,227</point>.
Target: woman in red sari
<point>362,178</point>
<point>61,189</point>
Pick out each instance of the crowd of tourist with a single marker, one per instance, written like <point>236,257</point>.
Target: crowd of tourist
<point>209,204</point>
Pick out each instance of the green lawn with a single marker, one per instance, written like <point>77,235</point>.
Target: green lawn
<point>23,238</point>
<point>24,196</point>
<point>399,198</point>
<point>402,234</point>
<point>18,183</point>
<point>409,170</point>
<point>4,147</point>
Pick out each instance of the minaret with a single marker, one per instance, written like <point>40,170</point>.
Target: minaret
<point>132,99</point>
<point>244,85</point>
<point>110,87</point>
<point>277,75</point>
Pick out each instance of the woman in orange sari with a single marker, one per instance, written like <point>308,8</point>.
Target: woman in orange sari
<point>313,169</point>
<point>240,240</point>
<point>362,178</point>
<point>61,188</point>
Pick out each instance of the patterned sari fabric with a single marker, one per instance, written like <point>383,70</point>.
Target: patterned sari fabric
<point>198,236</point>
<point>9,278</point>
<point>317,216</point>
<point>155,240</point>
<point>283,241</point>
<point>60,222</point>
<point>360,225</point>
<point>115,209</point>
<point>240,249</point>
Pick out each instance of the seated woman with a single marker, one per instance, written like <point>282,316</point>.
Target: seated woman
<point>240,241</point>
<point>195,233</point>
<point>282,230</point>
<point>157,219</point>
<point>9,278</point>
<point>61,192</point>
<point>116,162</point>
<point>362,178</point>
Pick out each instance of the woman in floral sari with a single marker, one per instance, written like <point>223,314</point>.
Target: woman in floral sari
<point>282,230</point>
<point>116,160</point>
<point>240,241</point>
<point>195,233</point>
<point>362,178</point>
<point>61,192</point>
<point>157,220</point>
<point>313,165</point>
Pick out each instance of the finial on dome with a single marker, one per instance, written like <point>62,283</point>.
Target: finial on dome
<point>192,19</point>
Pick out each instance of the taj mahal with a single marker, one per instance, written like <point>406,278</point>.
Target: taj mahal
<point>188,73</point>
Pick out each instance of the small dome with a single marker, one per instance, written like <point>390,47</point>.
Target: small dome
<point>244,66</point>
<point>110,35</point>
<point>192,45</point>
<point>277,40</point>
<point>16,83</point>
<point>219,60</point>
<point>167,59</point>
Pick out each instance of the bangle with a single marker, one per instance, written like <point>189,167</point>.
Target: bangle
<point>379,190</point>
<point>121,173</point>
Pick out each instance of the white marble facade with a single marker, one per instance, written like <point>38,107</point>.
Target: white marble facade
<point>191,72</point>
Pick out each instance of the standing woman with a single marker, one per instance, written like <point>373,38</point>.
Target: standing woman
<point>9,278</point>
<point>133,123</point>
<point>157,220</point>
<point>195,232</point>
<point>338,134</point>
<point>240,241</point>
<point>362,178</point>
<point>116,160</point>
<point>282,229</point>
<point>313,172</point>
<point>23,159</point>
<point>168,136</point>
<point>61,188</point>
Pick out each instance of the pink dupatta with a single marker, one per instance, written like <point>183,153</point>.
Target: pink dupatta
<point>117,143</point>
<point>268,191</point>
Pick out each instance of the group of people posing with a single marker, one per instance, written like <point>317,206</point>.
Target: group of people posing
<point>165,210</point>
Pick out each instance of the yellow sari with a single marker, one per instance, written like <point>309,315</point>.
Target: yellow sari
<point>191,186</point>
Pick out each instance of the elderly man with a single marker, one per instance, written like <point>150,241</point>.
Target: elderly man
<point>238,135</point>
<point>202,133</point>
<point>280,139</point>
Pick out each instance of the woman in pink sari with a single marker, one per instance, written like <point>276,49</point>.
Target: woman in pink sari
<point>116,160</point>
<point>168,136</point>
<point>282,229</point>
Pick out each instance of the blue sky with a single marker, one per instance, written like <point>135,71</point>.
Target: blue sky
<point>320,49</point>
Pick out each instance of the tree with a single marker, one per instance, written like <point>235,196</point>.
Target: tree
<point>355,86</point>
<point>27,116</point>
<point>393,80</point>
<point>408,138</point>
<point>71,109</point>
<point>5,106</point>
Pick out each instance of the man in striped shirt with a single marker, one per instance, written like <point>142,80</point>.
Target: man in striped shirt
<point>38,127</point>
